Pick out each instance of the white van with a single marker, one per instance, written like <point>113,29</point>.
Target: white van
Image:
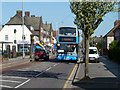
<point>93,54</point>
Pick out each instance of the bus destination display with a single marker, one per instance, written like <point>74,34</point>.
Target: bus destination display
<point>67,39</point>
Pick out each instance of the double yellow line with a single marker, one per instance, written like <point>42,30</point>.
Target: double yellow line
<point>66,83</point>
<point>14,64</point>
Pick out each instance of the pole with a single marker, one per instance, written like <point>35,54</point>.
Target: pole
<point>2,53</point>
<point>23,28</point>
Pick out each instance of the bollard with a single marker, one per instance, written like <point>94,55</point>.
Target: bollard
<point>2,59</point>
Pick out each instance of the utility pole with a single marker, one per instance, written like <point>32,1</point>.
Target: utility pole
<point>23,28</point>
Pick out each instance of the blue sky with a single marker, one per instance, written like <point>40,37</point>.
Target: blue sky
<point>57,13</point>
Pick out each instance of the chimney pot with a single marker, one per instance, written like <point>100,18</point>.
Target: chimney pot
<point>116,22</point>
<point>32,15</point>
<point>27,14</point>
<point>19,12</point>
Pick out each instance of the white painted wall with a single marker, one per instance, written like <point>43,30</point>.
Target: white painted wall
<point>109,40</point>
<point>9,30</point>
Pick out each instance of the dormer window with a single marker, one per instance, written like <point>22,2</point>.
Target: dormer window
<point>31,28</point>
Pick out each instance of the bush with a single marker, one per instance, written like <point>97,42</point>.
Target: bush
<point>114,51</point>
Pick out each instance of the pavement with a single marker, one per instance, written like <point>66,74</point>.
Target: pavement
<point>105,74</point>
<point>14,59</point>
<point>51,56</point>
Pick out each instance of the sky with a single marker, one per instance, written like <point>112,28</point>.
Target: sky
<point>57,13</point>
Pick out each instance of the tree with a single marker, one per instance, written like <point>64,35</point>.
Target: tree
<point>88,17</point>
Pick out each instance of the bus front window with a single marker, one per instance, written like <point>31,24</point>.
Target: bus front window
<point>67,31</point>
<point>67,49</point>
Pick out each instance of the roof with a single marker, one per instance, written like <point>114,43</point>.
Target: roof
<point>92,48</point>
<point>17,19</point>
<point>35,33</point>
<point>33,21</point>
<point>28,21</point>
<point>111,32</point>
<point>46,27</point>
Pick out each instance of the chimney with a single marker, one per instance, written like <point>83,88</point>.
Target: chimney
<point>116,22</point>
<point>95,36</point>
<point>46,22</point>
<point>32,15</point>
<point>27,14</point>
<point>11,18</point>
<point>101,36</point>
<point>19,13</point>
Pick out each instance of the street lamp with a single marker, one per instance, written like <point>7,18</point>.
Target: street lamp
<point>23,28</point>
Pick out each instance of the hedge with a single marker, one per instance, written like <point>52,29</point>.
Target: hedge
<point>114,51</point>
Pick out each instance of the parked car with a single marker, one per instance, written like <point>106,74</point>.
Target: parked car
<point>41,54</point>
<point>93,54</point>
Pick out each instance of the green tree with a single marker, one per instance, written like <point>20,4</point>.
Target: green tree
<point>88,17</point>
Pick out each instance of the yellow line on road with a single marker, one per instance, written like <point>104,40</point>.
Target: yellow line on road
<point>66,83</point>
<point>8,63</point>
<point>15,65</point>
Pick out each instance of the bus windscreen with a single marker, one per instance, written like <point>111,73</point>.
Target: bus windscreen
<point>67,48</point>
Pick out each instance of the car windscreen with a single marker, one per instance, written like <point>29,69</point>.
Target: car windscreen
<point>92,51</point>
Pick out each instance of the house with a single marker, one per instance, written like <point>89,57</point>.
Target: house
<point>117,31</point>
<point>96,40</point>
<point>110,36</point>
<point>13,30</point>
<point>54,39</point>
<point>54,34</point>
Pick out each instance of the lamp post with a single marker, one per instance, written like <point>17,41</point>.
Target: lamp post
<point>23,28</point>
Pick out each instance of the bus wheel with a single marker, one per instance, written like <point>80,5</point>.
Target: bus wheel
<point>75,61</point>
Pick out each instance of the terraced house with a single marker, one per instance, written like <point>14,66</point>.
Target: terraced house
<point>13,30</point>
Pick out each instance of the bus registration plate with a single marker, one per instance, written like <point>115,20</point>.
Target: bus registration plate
<point>67,58</point>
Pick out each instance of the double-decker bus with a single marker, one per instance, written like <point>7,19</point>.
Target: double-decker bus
<point>67,43</point>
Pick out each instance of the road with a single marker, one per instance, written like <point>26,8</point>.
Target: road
<point>54,74</point>
<point>42,74</point>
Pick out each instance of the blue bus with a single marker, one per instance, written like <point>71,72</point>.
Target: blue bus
<point>67,43</point>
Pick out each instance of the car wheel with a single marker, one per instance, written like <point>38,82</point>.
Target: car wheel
<point>46,59</point>
<point>97,61</point>
<point>36,59</point>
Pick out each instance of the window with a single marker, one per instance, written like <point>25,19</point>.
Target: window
<point>14,30</point>
<point>67,31</point>
<point>23,37</point>
<point>6,37</point>
<point>14,41</point>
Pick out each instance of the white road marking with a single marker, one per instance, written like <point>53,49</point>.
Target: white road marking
<point>55,64</point>
<point>6,86</point>
<point>45,70</point>
<point>22,84</point>
<point>13,77</point>
<point>39,74</point>
<point>10,81</point>
<point>48,69</point>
